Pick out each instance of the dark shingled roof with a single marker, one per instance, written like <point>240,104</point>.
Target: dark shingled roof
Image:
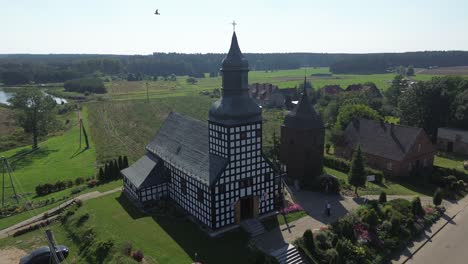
<point>303,116</point>
<point>183,142</point>
<point>235,105</point>
<point>453,134</point>
<point>379,138</point>
<point>147,171</point>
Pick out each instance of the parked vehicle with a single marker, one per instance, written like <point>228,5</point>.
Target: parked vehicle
<point>43,255</point>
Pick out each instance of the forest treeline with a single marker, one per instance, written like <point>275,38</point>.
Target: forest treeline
<point>26,68</point>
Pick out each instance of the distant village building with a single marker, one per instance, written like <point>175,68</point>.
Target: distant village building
<point>369,88</point>
<point>395,149</point>
<point>452,140</point>
<point>269,95</point>
<point>216,171</point>
<point>331,90</point>
<point>302,142</point>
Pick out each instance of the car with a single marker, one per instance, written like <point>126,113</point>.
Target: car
<point>42,255</point>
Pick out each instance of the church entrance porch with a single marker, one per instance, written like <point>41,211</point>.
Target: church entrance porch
<point>247,208</point>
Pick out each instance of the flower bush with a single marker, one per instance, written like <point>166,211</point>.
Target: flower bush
<point>291,208</point>
<point>371,234</point>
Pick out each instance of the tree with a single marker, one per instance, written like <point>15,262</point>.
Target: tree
<point>101,174</point>
<point>356,174</point>
<point>120,163</point>
<point>191,80</point>
<point>125,162</point>
<point>383,197</point>
<point>35,112</point>
<point>460,110</point>
<point>410,70</point>
<point>427,104</point>
<point>309,240</point>
<point>437,199</point>
<point>416,207</point>
<point>352,111</point>
<point>392,94</point>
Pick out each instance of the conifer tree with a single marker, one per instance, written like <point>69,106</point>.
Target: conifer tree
<point>106,171</point>
<point>125,162</point>
<point>101,174</point>
<point>356,175</point>
<point>120,163</point>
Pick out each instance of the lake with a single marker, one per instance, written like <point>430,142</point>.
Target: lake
<point>4,96</point>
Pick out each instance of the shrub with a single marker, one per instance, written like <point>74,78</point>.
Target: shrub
<point>103,248</point>
<point>344,227</point>
<point>309,240</point>
<point>79,181</point>
<point>369,216</point>
<point>437,199</point>
<point>416,207</point>
<point>92,183</point>
<point>69,183</point>
<point>329,184</point>
<point>75,190</point>
<point>82,219</point>
<point>344,165</point>
<point>78,202</point>
<point>324,239</point>
<point>127,249</point>
<point>138,256</point>
<point>383,197</point>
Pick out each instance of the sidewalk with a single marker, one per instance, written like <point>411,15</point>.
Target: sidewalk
<point>451,212</point>
<point>87,196</point>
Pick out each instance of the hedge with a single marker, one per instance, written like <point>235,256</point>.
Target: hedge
<point>344,165</point>
<point>461,175</point>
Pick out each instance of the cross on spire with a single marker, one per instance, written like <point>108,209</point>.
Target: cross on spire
<point>234,25</point>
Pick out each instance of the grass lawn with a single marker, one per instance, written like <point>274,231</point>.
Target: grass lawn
<point>162,239</point>
<point>450,160</point>
<point>58,158</point>
<point>391,188</point>
<point>11,220</point>
<point>277,220</point>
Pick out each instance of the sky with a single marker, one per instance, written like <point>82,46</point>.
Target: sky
<point>203,26</point>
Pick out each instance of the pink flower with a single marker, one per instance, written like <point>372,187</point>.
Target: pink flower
<point>291,208</point>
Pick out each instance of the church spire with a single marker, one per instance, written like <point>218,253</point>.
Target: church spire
<point>235,105</point>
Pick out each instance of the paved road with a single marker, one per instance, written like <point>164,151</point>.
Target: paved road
<point>448,246</point>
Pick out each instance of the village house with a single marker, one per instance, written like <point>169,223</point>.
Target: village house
<point>396,150</point>
<point>452,140</point>
<point>269,95</point>
<point>216,171</point>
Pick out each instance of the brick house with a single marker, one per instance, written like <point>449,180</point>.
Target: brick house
<point>452,140</point>
<point>394,149</point>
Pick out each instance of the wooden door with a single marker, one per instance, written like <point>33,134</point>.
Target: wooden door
<point>255,206</point>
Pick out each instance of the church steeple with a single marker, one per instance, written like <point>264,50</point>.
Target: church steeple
<point>303,115</point>
<point>235,105</point>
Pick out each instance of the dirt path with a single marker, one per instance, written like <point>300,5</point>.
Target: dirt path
<point>11,255</point>
<point>87,196</point>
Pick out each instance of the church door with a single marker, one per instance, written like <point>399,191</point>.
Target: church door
<point>247,208</point>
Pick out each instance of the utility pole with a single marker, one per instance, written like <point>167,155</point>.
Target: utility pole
<point>147,94</point>
<point>7,169</point>
<point>51,242</point>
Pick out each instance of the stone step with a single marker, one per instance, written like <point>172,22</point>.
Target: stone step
<point>288,255</point>
<point>253,227</point>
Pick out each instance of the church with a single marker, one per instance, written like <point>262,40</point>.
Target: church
<point>215,171</point>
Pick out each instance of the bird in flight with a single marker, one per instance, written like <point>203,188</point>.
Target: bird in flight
<point>156,12</point>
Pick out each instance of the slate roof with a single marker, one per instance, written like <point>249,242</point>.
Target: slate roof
<point>235,105</point>
<point>453,134</point>
<point>183,142</point>
<point>377,138</point>
<point>303,116</point>
<point>147,171</point>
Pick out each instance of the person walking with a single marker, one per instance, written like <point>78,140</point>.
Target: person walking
<point>328,209</point>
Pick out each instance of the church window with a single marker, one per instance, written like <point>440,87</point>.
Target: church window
<point>183,186</point>
<point>199,195</point>
<point>259,133</point>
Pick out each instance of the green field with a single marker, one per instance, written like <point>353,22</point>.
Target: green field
<point>163,239</point>
<point>58,158</point>
<point>124,90</point>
